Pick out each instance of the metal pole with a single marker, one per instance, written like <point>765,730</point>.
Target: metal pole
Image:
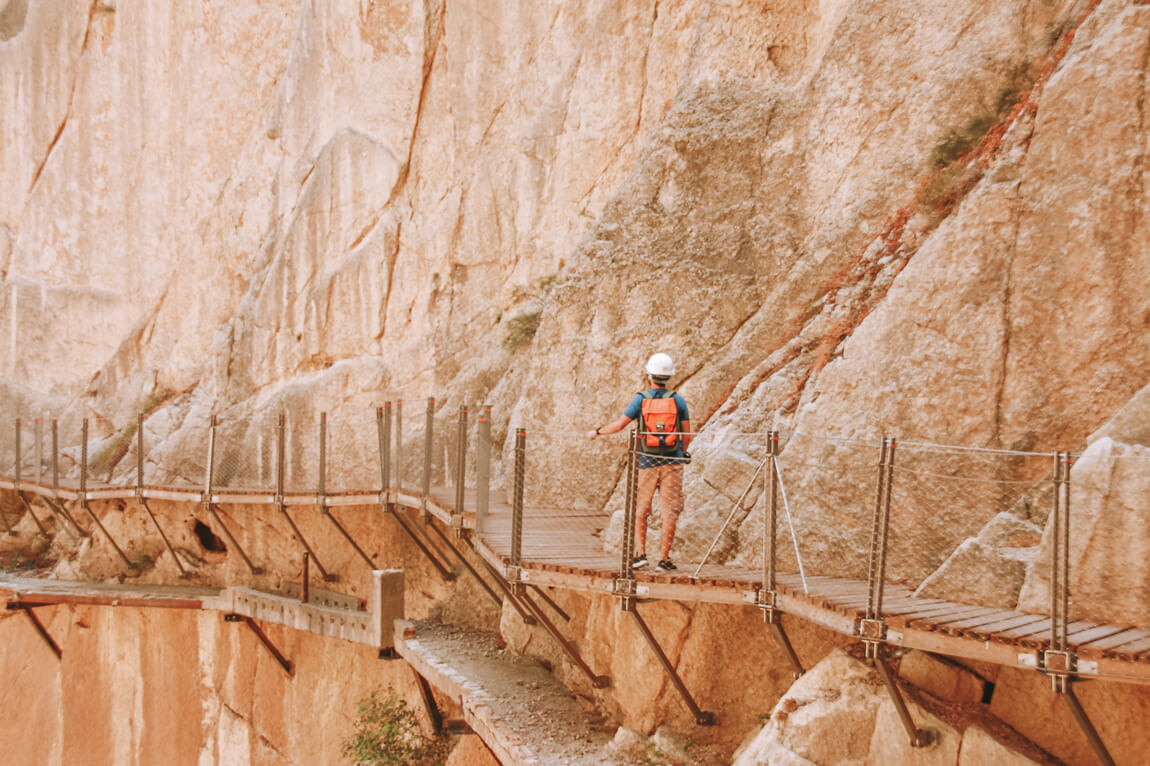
<point>702,717</point>
<point>144,501</point>
<point>626,566</point>
<point>872,565</point>
<point>383,431</point>
<point>428,432</point>
<point>1055,553</point>
<point>210,506</point>
<point>56,504</point>
<point>483,471</point>
<point>889,484</point>
<point>322,494</point>
<point>304,595</point>
<point>84,492</point>
<point>460,472</point>
<point>19,494</point>
<point>1066,552</point>
<point>1087,727</point>
<point>399,446</point>
<point>39,447</point>
<point>517,498</point>
<point>918,737</point>
<point>281,504</point>
<point>772,506</point>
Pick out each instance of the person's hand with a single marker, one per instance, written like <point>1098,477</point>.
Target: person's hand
<point>592,434</point>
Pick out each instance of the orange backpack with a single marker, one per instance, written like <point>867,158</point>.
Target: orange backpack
<point>659,423</point>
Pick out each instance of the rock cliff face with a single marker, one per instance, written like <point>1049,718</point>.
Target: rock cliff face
<point>844,219</point>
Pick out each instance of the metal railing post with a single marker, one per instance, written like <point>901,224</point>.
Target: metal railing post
<point>84,492</point>
<point>55,502</point>
<point>428,434</point>
<point>321,494</point>
<point>460,472</point>
<point>143,501</point>
<point>383,431</point>
<point>517,506</point>
<point>209,503</point>
<point>38,436</point>
<point>626,565</point>
<point>281,501</point>
<point>770,524</point>
<point>483,471</point>
<point>19,493</point>
<point>399,446</point>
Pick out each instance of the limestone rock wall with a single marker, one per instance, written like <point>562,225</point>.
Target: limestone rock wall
<point>843,218</point>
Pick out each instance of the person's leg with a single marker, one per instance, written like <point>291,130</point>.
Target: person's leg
<point>670,505</point>
<point>648,480</point>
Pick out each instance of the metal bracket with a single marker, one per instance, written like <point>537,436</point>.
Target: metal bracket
<point>871,630</point>
<point>284,662</point>
<point>44,634</point>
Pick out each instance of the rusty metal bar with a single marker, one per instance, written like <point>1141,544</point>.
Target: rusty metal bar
<point>1064,638</point>
<point>770,525</point>
<point>281,505</point>
<point>423,546</point>
<point>284,662</point>
<point>1055,552</point>
<point>508,592</point>
<point>597,681</point>
<point>30,512</point>
<point>918,737</point>
<point>702,717</point>
<point>383,431</point>
<point>19,494</point>
<point>84,492</point>
<point>429,703</point>
<point>55,502</point>
<point>784,643</point>
<point>517,499</point>
<point>321,494</point>
<point>210,507</point>
<point>1087,727</point>
<point>883,549</point>
<point>428,434</point>
<point>550,602</point>
<point>38,441</point>
<point>460,472</point>
<point>483,471</point>
<point>626,565</point>
<point>39,626</point>
<point>304,584</point>
<point>399,445</point>
<point>184,573</point>
<point>876,528</point>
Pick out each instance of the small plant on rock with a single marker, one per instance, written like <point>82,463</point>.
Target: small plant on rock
<point>388,734</point>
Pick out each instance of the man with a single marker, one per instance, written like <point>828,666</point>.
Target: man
<point>664,435</point>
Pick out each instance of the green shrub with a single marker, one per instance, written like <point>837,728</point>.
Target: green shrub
<point>521,330</point>
<point>387,734</point>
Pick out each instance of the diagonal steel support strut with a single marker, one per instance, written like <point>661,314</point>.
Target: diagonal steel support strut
<point>39,626</point>
<point>702,717</point>
<point>284,662</point>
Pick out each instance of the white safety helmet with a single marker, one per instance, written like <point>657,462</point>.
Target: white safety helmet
<point>660,366</point>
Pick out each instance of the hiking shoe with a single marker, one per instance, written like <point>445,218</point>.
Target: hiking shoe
<point>639,562</point>
<point>665,565</point>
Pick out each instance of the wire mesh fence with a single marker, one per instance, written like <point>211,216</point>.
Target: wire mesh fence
<point>958,519</point>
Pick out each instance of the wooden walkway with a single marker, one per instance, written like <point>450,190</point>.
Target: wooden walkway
<point>563,548</point>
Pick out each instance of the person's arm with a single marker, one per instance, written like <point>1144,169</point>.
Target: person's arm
<point>687,435</point>
<point>613,427</point>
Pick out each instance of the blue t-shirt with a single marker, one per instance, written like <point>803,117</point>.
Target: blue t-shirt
<point>635,409</point>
